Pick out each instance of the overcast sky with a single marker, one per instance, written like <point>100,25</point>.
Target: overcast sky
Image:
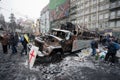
<point>22,8</point>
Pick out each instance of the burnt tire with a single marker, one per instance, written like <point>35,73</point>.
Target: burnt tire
<point>57,56</point>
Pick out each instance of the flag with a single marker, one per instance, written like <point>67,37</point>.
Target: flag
<point>26,37</point>
<point>32,56</point>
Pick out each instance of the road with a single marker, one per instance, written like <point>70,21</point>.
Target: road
<point>72,67</point>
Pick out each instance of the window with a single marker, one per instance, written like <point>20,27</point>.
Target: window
<point>100,16</point>
<point>81,12</point>
<point>87,4</point>
<point>103,24</point>
<point>101,7</point>
<point>119,3</point>
<point>94,25</point>
<point>86,18</point>
<point>118,24</point>
<point>118,13</point>
<point>82,1</point>
<point>87,11</point>
<point>106,15</point>
<point>112,5</point>
<point>101,0</point>
<point>107,6</point>
<point>81,20</point>
<point>112,24</point>
<point>112,15</point>
<point>94,8</point>
<point>93,17</point>
<point>82,6</point>
<point>94,1</point>
<point>106,24</point>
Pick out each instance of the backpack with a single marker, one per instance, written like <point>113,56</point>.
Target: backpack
<point>117,46</point>
<point>21,39</point>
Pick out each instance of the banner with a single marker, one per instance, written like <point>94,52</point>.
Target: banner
<point>32,56</point>
<point>59,9</point>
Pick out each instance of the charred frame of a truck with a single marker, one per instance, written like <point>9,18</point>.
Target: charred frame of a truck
<point>82,32</point>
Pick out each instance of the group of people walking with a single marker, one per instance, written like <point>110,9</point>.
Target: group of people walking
<point>11,40</point>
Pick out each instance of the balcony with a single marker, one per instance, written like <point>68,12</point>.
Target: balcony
<point>118,4</point>
<point>112,17</point>
<point>118,14</point>
<point>113,5</point>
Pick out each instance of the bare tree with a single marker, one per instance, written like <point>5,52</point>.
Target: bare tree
<point>12,24</point>
<point>2,22</point>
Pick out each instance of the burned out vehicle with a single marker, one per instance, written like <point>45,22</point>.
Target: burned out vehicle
<point>58,42</point>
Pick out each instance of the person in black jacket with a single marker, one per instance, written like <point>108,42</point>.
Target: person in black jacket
<point>24,44</point>
<point>13,44</point>
<point>111,52</point>
<point>16,38</point>
<point>94,46</point>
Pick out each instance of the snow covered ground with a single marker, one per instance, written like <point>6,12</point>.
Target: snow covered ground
<point>79,66</point>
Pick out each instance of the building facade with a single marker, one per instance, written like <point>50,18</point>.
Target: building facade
<point>101,14</point>
<point>114,18</point>
<point>92,14</point>
<point>44,20</point>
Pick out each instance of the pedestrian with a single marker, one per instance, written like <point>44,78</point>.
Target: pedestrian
<point>13,43</point>
<point>103,41</point>
<point>24,42</point>
<point>16,38</point>
<point>94,46</point>
<point>4,41</point>
<point>9,41</point>
<point>112,50</point>
<point>100,39</point>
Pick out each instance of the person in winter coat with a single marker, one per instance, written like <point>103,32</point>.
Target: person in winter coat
<point>16,38</point>
<point>94,46</point>
<point>112,50</point>
<point>13,44</point>
<point>4,42</point>
<point>24,43</point>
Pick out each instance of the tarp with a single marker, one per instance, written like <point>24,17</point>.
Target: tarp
<point>55,3</point>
